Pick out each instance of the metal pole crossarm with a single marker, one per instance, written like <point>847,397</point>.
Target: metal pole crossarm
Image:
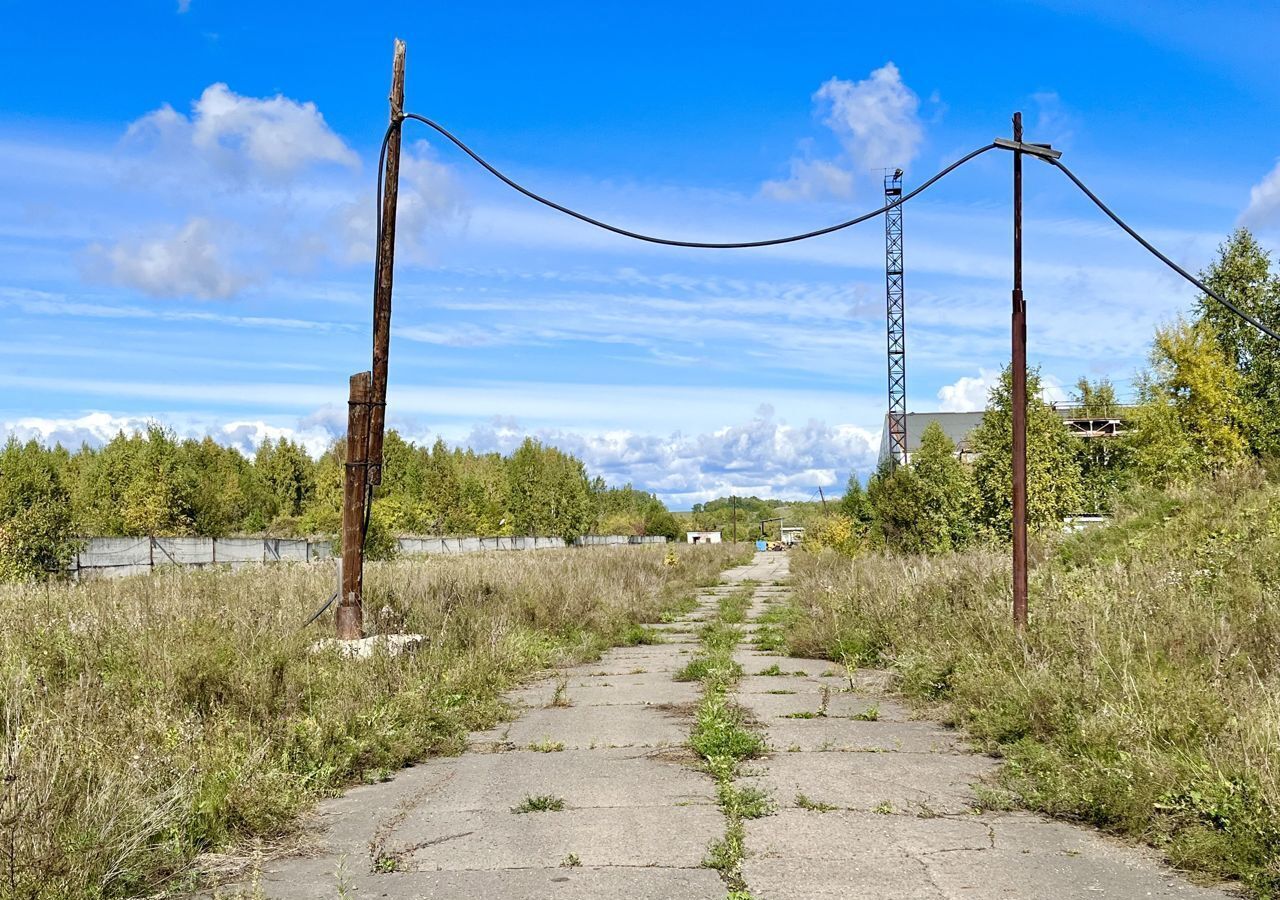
<point>1044,151</point>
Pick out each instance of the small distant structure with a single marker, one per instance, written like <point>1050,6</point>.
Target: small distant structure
<point>702,537</point>
<point>792,535</point>
<point>959,426</point>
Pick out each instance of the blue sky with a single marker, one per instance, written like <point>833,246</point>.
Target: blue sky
<point>186,216</point>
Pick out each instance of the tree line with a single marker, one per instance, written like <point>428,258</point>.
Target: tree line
<point>1208,401</point>
<point>153,483</point>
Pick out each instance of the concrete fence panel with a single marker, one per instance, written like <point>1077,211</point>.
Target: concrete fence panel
<point>116,556</point>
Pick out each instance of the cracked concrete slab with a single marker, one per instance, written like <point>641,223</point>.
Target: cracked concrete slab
<point>672,835</point>
<point>582,778</point>
<point>840,705</point>
<point>840,834</point>
<point>916,783</point>
<point>564,883</point>
<point>853,736</point>
<point>654,691</point>
<point>591,727</point>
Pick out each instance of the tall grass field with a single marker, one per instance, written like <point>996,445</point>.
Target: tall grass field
<point>148,720</point>
<point>1144,698</point>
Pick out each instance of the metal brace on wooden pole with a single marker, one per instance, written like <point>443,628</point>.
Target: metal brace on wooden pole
<point>1019,398</point>
<point>350,616</point>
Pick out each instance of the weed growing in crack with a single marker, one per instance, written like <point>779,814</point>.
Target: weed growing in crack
<point>539,803</point>
<point>804,802</point>
<point>637,635</point>
<point>722,737</point>
<point>561,697</point>
<point>546,745</point>
<point>870,714</point>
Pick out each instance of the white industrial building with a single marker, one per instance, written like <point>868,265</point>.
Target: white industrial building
<point>702,537</point>
<point>959,426</point>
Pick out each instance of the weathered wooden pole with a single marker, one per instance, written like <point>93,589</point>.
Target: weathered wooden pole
<point>350,616</point>
<point>385,268</point>
<point>1019,398</point>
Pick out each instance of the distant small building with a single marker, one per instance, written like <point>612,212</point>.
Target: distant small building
<point>792,534</point>
<point>702,537</point>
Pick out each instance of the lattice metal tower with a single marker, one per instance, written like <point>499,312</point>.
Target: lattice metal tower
<point>895,302</point>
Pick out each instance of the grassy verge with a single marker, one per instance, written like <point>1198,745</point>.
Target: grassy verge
<point>147,720</point>
<point>1145,698</point>
<point>723,738</point>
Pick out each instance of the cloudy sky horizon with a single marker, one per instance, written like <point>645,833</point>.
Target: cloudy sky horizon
<point>186,219</point>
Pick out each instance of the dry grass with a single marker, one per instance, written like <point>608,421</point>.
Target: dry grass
<point>150,719</point>
<point>1146,697</point>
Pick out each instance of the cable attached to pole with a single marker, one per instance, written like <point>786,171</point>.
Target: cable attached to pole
<point>1036,150</point>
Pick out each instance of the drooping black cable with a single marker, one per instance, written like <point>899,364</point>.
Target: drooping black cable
<point>700,245</point>
<point>1097,201</point>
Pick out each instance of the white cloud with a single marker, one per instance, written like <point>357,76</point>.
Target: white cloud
<point>191,262</point>
<point>969,393</point>
<point>430,200</point>
<point>811,180</point>
<point>764,456</point>
<point>877,121</point>
<point>273,137</point>
<point>1264,201</point>
<point>314,433</point>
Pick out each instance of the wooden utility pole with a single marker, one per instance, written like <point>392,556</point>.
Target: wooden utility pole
<point>367,403</point>
<point>735,518</point>
<point>386,253</point>
<point>350,604</point>
<point>822,497</point>
<point>1019,398</point>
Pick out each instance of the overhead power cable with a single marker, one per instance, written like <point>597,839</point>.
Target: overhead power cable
<point>700,245</point>
<point>1129,230</point>
<point>839,226</point>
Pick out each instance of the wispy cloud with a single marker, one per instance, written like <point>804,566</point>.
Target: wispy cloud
<point>1263,210</point>
<point>877,121</point>
<point>188,262</point>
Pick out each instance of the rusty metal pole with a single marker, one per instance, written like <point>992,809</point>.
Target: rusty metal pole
<point>385,267</point>
<point>1019,398</point>
<point>350,616</point>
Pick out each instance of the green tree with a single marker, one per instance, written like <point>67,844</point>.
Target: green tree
<point>924,507</point>
<point>289,476</point>
<point>221,487</point>
<point>948,489</point>
<point>548,492</point>
<point>626,510</point>
<point>1053,471</point>
<point>854,505</point>
<point>1242,274</point>
<point>1105,461</point>
<point>1194,412</point>
<point>36,538</point>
